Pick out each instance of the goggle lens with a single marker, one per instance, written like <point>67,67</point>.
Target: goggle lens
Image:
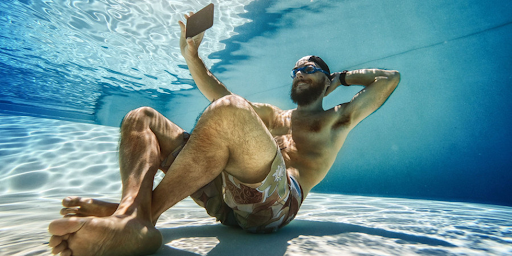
<point>309,69</point>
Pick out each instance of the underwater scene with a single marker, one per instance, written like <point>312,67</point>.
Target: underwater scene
<point>429,173</point>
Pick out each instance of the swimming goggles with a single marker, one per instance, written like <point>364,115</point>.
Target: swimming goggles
<point>309,69</point>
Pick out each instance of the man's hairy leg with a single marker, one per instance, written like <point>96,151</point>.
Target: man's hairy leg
<point>229,137</point>
<point>170,138</point>
<point>146,139</point>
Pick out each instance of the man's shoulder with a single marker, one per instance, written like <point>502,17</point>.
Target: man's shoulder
<point>266,112</point>
<point>266,108</point>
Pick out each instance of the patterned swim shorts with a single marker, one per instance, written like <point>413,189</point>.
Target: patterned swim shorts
<point>258,208</point>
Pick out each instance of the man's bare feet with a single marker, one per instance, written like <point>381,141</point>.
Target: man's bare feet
<point>112,235</point>
<point>85,207</point>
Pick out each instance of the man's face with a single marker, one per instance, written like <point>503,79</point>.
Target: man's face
<point>307,88</point>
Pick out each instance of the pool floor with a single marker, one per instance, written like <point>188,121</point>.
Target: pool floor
<point>45,160</point>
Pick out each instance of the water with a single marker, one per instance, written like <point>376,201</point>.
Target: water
<point>70,70</point>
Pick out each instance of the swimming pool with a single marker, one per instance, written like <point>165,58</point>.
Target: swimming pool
<point>70,70</point>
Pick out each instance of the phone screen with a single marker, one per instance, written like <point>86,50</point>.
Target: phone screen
<point>200,21</point>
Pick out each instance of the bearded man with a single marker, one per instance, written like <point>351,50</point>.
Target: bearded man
<point>248,164</point>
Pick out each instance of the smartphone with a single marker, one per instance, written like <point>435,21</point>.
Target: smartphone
<point>200,21</point>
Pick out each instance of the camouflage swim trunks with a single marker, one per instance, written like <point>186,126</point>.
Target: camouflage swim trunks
<point>259,208</point>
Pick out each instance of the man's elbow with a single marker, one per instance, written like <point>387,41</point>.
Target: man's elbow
<point>393,74</point>
<point>394,77</point>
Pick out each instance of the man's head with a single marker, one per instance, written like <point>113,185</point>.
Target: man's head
<point>311,78</point>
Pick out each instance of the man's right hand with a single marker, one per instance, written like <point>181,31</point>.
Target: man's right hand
<point>207,83</point>
<point>189,46</point>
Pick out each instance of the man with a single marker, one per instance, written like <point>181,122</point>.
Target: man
<point>249,164</point>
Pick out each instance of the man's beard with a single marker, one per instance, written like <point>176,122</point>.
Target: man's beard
<point>307,96</point>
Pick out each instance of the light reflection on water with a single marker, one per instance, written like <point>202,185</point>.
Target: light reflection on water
<point>60,54</point>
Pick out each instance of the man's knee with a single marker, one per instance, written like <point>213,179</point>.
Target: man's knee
<point>138,117</point>
<point>230,113</point>
<point>229,104</point>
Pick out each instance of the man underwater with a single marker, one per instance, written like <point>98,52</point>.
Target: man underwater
<point>248,164</point>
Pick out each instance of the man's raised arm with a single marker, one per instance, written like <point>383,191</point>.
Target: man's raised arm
<point>207,83</point>
<point>379,84</point>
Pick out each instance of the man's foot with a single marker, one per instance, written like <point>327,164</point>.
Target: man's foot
<point>85,207</point>
<point>112,235</point>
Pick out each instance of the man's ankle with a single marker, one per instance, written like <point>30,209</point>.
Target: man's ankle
<point>129,205</point>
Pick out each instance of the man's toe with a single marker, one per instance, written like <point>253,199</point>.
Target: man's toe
<point>71,201</point>
<point>66,252</point>
<point>55,240</point>
<point>69,211</point>
<point>66,226</point>
<point>60,247</point>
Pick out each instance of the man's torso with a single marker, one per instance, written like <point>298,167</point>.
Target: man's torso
<point>308,142</point>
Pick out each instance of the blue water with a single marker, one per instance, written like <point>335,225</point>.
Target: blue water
<point>70,70</point>
<point>443,134</point>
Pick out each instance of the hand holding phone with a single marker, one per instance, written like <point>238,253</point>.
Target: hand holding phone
<point>200,21</point>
